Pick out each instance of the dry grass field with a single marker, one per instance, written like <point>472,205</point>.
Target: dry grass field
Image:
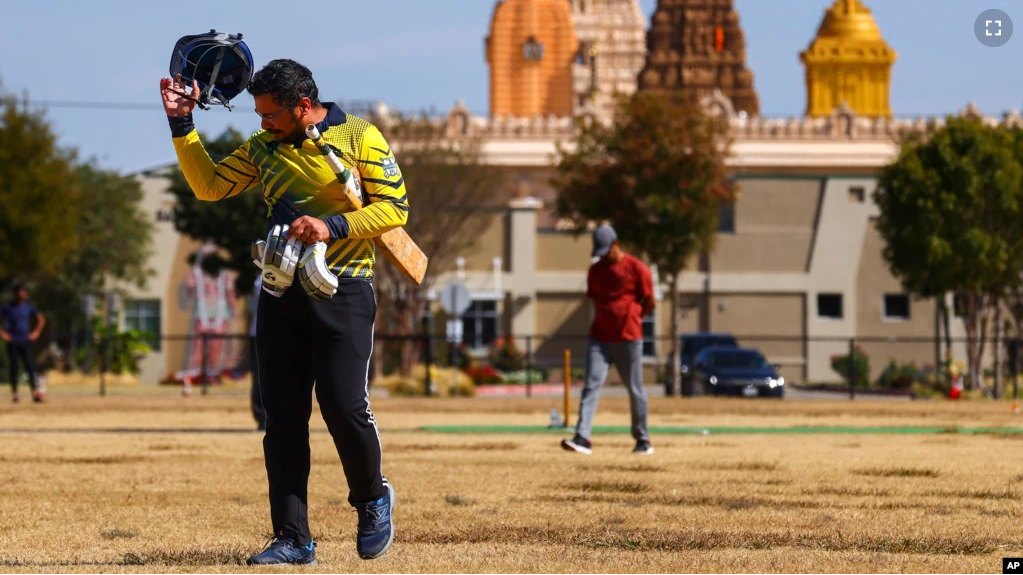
<point>152,482</point>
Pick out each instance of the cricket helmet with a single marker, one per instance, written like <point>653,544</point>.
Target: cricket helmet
<point>221,64</point>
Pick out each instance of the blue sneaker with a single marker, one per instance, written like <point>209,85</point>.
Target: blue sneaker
<point>376,530</point>
<point>285,552</point>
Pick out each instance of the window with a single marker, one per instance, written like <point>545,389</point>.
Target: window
<point>480,324</point>
<point>896,307</point>
<point>650,335</point>
<point>829,305</point>
<point>857,194</point>
<point>532,50</point>
<point>726,218</point>
<point>144,315</point>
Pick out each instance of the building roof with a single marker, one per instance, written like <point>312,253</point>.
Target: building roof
<point>850,20</point>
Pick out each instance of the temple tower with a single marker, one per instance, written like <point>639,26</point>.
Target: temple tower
<point>695,46</point>
<point>848,62</point>
<point>612,50</point>
<point>531,50</point>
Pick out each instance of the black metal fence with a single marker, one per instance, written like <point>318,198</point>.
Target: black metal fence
<point>860,363</point>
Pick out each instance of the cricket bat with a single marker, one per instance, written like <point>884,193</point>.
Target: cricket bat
<point>396,244</point>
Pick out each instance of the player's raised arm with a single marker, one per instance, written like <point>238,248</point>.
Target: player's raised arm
<point>208,180</point>
<point>222,64</point>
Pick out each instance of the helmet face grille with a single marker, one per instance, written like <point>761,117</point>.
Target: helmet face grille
<point>196,57</point>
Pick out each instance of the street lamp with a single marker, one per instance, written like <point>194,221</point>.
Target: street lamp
<point>113,307</point>
<point>88,303</point>
<point>113,313</point>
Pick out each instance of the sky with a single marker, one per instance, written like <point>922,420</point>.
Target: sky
<point>427,54</point>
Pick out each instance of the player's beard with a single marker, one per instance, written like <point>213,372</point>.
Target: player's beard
<point>287,137</point>
<point>292,135</point>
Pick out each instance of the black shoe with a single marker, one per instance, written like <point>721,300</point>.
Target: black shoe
<point>578,445</point>
<point>284,552</point>
<point>643,448</point>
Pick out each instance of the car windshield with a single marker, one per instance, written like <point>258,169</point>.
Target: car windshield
<point>692,345</point>
<point>738,360</point>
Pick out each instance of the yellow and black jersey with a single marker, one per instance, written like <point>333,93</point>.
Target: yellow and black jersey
<point>298,182</point>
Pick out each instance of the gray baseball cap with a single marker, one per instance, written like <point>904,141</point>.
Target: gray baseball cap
<point>603,237</point>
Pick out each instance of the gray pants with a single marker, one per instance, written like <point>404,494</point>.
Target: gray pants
<point>627,357</point>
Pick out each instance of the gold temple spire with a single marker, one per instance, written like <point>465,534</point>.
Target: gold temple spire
<point>849,61</point>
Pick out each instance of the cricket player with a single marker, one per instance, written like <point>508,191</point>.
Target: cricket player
<point>622,290</point>
<point>305,331</point>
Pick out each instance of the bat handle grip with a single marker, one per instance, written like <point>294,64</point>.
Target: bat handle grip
<point>312,132</point>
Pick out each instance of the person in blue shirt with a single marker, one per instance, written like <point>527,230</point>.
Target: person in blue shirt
<point>16,329</point>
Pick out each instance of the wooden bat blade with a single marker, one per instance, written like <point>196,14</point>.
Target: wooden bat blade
<point>400,250</point>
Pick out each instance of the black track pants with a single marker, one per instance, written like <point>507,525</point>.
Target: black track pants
<point>300,341</point>
<point>257,404</point>
<point>21,351</point>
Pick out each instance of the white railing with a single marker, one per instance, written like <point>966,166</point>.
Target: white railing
<point>843,124</point>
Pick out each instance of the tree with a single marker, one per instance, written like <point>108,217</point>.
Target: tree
<point>231,224</point>
<point>112,246</point>
<point>449,187</point>
<point>950,207</point>
<point>66,226</point>
<point>658,175</point>
<point>37,192</point>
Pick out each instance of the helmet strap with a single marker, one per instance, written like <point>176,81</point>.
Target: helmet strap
<point>204,97</point>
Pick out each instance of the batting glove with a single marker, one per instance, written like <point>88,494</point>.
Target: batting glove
<point>314,275</point>
<point>257,251</point>
<point>280,258</point>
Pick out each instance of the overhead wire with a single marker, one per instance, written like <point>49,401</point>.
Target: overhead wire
<point>101,105</point>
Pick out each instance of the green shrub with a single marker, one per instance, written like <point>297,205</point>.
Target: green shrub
<point>505,355</point>
<point>922,390</point>
<point>536,375</point>
<point>123,350</point>
<point>442,356</point>
<point>579,374</point>
<point>840,364</point>
<point>897,376</point>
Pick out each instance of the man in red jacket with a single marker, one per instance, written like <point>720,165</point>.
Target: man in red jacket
<point>622,291</point>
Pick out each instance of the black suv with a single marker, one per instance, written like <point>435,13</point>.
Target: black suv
<point>692,344</point>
